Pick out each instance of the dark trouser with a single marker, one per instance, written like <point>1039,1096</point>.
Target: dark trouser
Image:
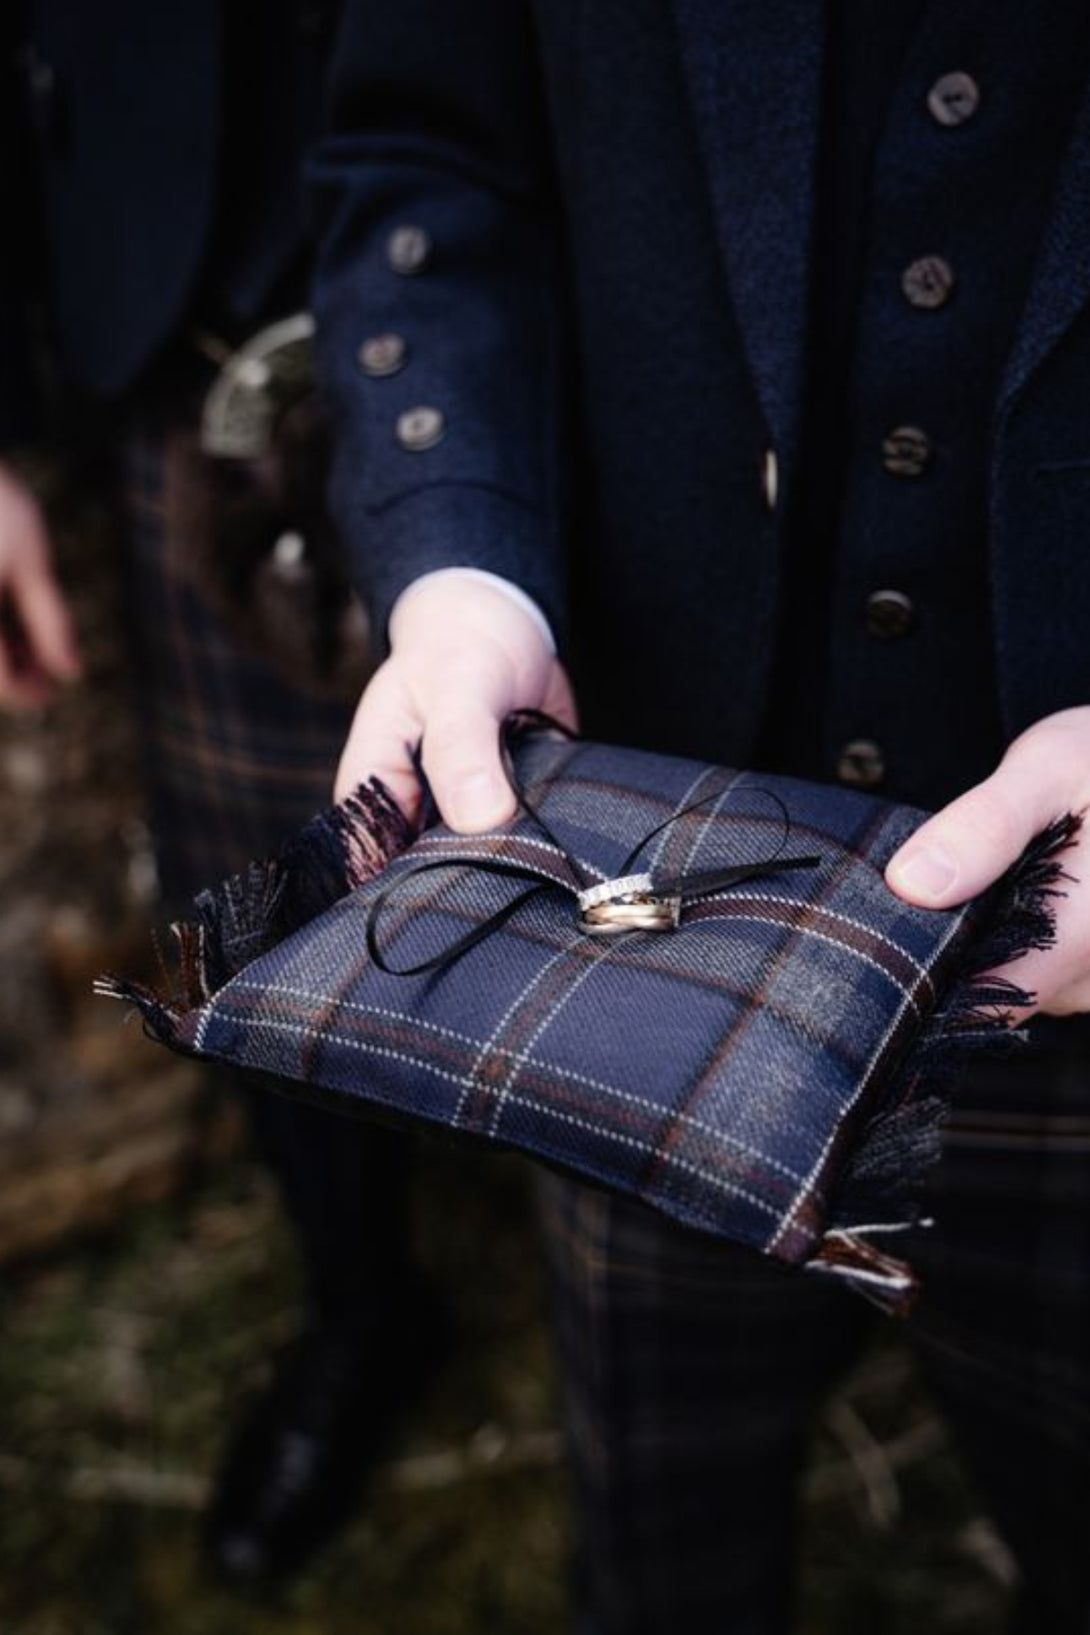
<point>241,751</point>
<point>693,1370</point>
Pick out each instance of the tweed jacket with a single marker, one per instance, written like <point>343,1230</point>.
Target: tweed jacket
<point>606,311</point>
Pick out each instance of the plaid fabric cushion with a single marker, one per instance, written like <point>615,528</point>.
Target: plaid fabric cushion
<point>769,1069</point>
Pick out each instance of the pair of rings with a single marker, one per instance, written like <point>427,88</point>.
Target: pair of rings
<point>628,903</point>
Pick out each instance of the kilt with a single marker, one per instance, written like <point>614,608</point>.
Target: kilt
<point>241,746</point>
<point>239,752</point>
<point>693,1370</point>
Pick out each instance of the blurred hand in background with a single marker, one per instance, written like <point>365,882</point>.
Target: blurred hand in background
<point>38,650</point>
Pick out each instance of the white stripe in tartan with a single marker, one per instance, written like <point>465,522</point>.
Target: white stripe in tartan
<point>810,931</point>
<point>829,914</point>
<point>552,1069</point>
<point>443,843</point>
<point>256,1024</point>
<point>591,966</point>
<point>860,1090</point>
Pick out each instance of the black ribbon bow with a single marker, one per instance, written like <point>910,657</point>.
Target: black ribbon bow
<point>658,891</point>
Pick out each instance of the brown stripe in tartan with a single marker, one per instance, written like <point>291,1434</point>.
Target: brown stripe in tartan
<point>632,1114</point>
<point>799,1226</point>
<point>514,846</point>
<point>220,761</point>
<point>794,914</point>
<point>441,900</point>
<point>1017,1131</point>
<point>805,836</point>
<point>672,1129</point>
<point>531,930</point>
<point>500,1065</point>
<point>497,1065</point>
<point>556,1089</point>
<point>368,1026</point>
<point>679,844</point>
<point>809,919</point>
<point>237,767</point>
<point>632,1290</point>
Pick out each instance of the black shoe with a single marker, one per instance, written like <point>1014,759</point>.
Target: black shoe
<point>295,1470</point>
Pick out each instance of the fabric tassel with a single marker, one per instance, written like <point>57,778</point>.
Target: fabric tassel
<point>251,912</point>
<point>888,1283</point>
<point>901,1143</point>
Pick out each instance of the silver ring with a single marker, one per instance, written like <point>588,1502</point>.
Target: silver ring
<point>615,891</point>
<point>648,914</point>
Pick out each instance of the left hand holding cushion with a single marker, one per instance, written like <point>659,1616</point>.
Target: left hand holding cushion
<point>969,844</point>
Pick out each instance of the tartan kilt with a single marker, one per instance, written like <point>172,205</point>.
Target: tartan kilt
<point>693,1370</point>
<point>241,746</point>
<point>241,750</point>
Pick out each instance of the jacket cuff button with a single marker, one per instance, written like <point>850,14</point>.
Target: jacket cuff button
<point>421,428</point>
<point>382,355</point>
<point>408,250</point>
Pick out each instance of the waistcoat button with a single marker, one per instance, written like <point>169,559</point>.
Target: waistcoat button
<point>408,250</point>
<point>953,99</point>
<point>928,282</point>
<point>861,764</point>
<point>906,451</point>
<point>382,355</point>
<point>419,429</point>
<point>889,613</point>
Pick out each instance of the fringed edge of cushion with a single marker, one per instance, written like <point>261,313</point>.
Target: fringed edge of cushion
<point>249,913</point>
<point>901,1143</point>
<point>848,1255</point>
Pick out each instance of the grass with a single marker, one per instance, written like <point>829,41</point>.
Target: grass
<point>122,1363</point>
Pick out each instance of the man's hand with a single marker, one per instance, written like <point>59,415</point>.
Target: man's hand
<point>965,847</point>
<point>37,645</point>
<point>463,655</point>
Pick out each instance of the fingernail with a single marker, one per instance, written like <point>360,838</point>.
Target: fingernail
<point>476,801</point>
<point>927,874</point>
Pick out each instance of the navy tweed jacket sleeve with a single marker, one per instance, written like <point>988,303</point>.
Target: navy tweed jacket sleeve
<point>461,158</point>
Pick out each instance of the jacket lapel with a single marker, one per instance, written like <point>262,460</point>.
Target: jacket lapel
<point>754,77</point>
<point>1060,285</point>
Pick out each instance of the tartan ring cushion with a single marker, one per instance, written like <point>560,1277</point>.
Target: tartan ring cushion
<point>631,982</point>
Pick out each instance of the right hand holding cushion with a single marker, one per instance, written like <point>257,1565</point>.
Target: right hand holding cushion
<point>464,654</point>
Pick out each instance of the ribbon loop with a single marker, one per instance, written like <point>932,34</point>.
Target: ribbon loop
<point>632,901</point>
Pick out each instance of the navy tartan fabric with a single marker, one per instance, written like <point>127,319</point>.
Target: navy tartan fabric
<point>750,1074</point>
<point>693,1371</point>
<point>238,755</point>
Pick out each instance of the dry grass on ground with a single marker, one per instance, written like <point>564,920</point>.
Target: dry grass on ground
<point>120,1364</point>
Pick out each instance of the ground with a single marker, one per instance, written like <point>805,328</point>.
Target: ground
<point>122,1362</point>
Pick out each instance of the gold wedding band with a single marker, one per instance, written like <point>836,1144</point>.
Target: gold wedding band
<point>635,914</point>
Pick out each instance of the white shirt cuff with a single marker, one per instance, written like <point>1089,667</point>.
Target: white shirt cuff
<point>514,593</point>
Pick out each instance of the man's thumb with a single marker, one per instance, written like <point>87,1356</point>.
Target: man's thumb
<point>966,847</point>
<point>461,758</point>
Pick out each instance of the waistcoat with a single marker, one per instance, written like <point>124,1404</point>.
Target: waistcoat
<point>923,255</point>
